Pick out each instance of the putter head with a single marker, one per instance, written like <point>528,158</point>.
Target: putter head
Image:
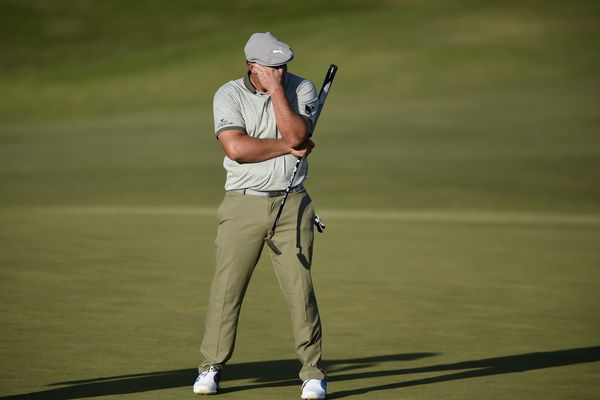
<point>272,245</point>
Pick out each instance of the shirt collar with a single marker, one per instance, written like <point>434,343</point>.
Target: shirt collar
<point>248,83</point>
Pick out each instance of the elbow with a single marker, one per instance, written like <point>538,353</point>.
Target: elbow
<point>235,156</point>
<point>297,138</point>
<point>234,144</point>
<point>295,144</point>
<point>298,141</point>
<point>234,153</point>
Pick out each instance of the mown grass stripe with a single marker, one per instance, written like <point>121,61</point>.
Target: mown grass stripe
<point>462,216</point>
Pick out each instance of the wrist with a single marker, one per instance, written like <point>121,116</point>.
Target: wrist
<point>276,91</point>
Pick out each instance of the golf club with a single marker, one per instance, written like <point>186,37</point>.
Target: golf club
<point>322,97</point>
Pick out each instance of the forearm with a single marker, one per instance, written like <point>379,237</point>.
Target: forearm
<point>250,149</point>
<point>293,128</point>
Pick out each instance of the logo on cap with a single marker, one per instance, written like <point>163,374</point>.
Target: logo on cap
<point>266,49</point>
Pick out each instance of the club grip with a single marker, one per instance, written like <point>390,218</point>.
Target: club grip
<point>331,72</point>
<point>325,90</point>
<point>328,80</point>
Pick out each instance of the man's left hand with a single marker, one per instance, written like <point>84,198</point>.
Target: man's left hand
<point>270,78</point>
<point>304,150</point>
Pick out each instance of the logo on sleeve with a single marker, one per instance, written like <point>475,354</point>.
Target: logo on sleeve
<point>223,122</point>
<point>309,108</point>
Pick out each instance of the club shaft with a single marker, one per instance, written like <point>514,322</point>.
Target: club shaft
<point>322,97</point>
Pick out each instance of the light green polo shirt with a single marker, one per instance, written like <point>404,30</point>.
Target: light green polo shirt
<point>238,105</point>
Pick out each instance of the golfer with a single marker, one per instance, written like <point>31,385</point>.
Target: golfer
<point>263,122</point>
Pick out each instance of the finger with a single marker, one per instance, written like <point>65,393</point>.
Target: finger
<point>262,69</point>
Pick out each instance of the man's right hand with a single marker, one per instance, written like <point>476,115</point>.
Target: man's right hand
<point>305,150</point>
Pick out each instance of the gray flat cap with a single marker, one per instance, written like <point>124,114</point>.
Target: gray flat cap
<point>265,49</point>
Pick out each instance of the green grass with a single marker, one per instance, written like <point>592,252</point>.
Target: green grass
<point>457,167</point>
<point>408,306</point>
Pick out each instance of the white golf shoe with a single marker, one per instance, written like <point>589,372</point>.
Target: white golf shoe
<point>314,389</point>
<point>207,382</point>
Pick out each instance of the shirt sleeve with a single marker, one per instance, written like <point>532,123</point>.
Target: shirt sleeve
<point>308,102</point>
<point>226,111</point>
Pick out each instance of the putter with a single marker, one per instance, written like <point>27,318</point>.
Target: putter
<point>322,97</point>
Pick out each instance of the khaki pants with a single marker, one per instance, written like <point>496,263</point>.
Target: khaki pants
<point>244,221</point>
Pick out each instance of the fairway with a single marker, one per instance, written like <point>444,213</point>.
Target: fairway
<point>457,169</point>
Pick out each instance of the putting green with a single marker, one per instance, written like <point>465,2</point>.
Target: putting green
<point>456,168</point>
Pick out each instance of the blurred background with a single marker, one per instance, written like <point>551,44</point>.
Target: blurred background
<point>457,166</point>
<point>451,105</point>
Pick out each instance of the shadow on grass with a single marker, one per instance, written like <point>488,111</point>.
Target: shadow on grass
<point>477,368</point>
<point>284,373</point>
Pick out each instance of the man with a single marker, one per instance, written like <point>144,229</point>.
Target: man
<point>263,122</point>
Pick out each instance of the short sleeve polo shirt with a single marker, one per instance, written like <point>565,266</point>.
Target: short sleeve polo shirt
<point>238,105</point>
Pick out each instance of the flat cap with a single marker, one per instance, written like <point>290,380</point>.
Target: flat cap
<point>266,49</point>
